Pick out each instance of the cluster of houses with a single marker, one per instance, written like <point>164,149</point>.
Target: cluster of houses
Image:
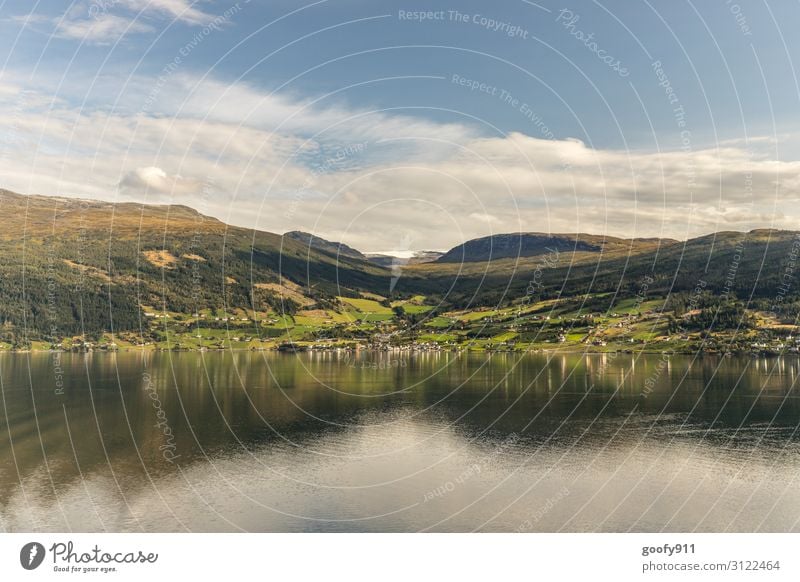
<point>790,344</point>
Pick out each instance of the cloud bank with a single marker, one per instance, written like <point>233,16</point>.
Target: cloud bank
<point>372,179</point>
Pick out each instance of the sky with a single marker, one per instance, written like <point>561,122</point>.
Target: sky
<point>396,126</point>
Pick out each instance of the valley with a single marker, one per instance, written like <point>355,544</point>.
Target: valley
<point>88,275</point>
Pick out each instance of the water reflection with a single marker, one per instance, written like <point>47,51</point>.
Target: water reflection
<point>397,442</point>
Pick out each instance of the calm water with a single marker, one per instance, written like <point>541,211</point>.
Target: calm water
<point>398,442</point>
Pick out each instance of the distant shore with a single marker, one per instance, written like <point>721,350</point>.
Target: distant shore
<point>299,348</point>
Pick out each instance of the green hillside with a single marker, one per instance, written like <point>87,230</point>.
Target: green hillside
<point>78,271</point>
<point>75,266</point>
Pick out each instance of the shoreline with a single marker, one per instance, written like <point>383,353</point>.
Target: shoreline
<point>376,350</point>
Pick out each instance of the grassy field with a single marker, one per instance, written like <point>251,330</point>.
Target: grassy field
<point>551,325</point>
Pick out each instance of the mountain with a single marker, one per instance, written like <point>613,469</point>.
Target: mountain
<point>535,244</point>
<point>425,257</point>
<point>320,244</point>
<point>69,265</point>
<point>745,266</point>
<point>343,250</point>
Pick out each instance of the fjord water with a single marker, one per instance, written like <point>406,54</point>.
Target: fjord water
<point>249,441</point>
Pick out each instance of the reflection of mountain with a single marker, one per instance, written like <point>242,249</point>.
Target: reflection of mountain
<point>289,399</point>
<point>263,421</point>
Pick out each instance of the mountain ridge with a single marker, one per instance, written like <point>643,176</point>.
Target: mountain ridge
<point>85,266</point>
<point>321,244</point>
<point>530,244</point>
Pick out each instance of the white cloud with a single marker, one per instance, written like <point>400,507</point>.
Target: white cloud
<point>143,180</point>
<point>438,184</point>
<point>241,103</point>
<point>520,183</point>
<point>182,10</point>
<point>107,21</point>
<point>104,29</point>
<point>483,217</point>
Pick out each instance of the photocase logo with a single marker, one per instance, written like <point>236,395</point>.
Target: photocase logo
<point>31,555</point>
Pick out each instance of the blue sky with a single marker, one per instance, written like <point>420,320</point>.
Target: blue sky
<point>366,122</point>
